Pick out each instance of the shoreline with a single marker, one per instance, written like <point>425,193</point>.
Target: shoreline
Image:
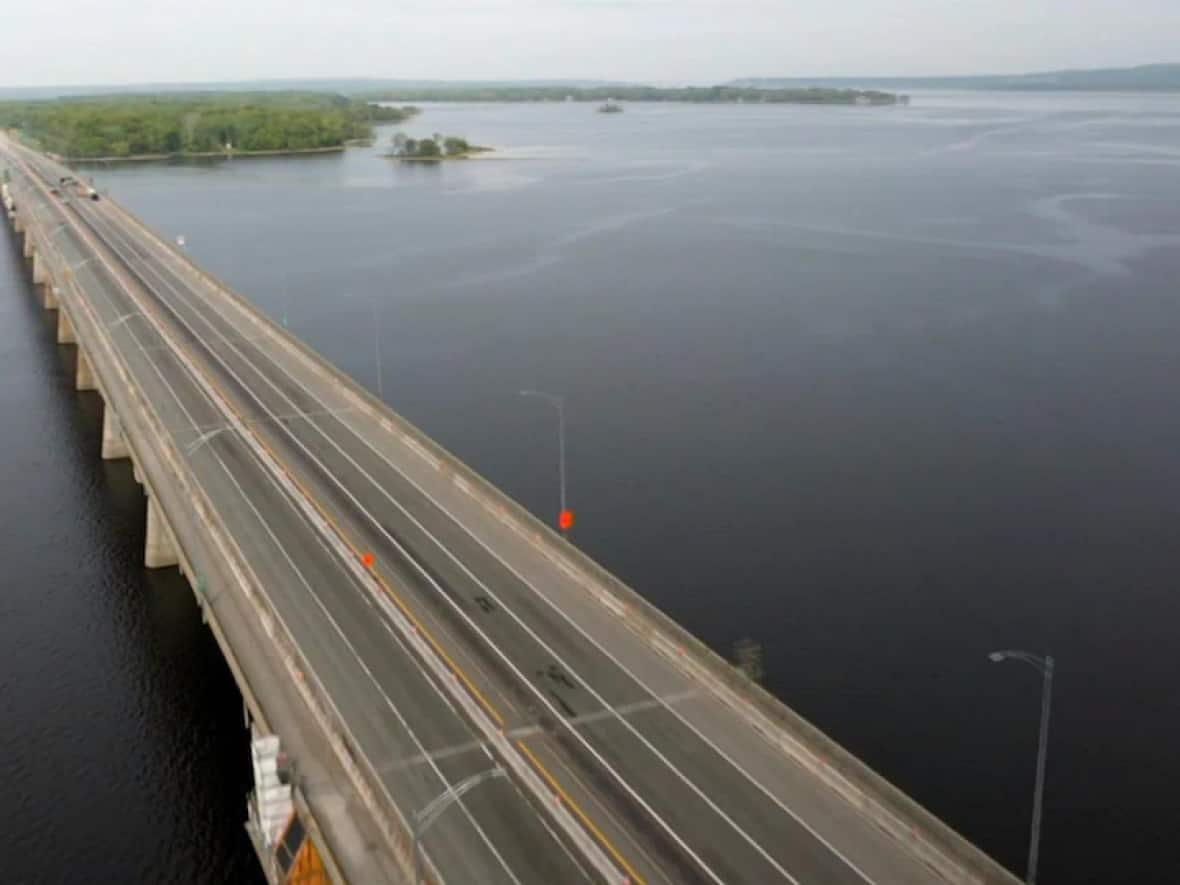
<point>206,155</point>
<point>470,154</point>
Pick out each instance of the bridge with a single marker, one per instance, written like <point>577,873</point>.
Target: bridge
<point>439,688</point>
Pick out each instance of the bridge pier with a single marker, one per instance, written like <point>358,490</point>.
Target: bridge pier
<point>65,329</point>
<point>160,547</point>
<point>51,297</point>
<point>114,446</point>
<point>40,273</point>
<point>18,222</point>
<point>84,377</point>
<point>28,245</point>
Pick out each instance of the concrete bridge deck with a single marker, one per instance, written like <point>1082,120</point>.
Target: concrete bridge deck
<point>413,627</point>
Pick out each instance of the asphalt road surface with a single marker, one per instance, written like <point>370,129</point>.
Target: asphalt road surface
<point>672,784</point>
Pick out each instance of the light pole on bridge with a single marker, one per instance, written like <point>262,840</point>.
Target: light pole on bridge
<point>565,518</point>
<point>1044,665</point>
<point>377,349</point>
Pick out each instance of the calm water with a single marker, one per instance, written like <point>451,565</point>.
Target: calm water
<point>883,389</point>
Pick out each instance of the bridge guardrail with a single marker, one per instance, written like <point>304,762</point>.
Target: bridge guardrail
<point>316,697</point>
<point>908,822</point>
<point>494,736</point>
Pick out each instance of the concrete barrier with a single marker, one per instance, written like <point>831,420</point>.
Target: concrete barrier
<point>188,499</point>
<point>940,847</point>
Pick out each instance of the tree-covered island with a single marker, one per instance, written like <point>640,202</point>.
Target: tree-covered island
<point>196,124</point>
<point>434,148</point>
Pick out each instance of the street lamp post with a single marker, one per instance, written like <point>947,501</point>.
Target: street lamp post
<point>286,298</point>
<point>377,350</point>
<point>425,818</point>
<point>564,518</point>
<point>1045,666</point>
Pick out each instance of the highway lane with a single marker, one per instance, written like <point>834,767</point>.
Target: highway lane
<point>366,664</point>
<point>648,751</point>
<point>261,419</point>
<point>730,825</point>
<point>625,753</point>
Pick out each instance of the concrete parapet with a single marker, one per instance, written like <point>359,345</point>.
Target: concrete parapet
<point>160,548</point>
<point>65,329</point>
<point>113,444</point>
<point>84,376</point>
<point>903,819</point>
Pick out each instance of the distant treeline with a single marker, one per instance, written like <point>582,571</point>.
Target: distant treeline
<point>705,95</point>
<point>149,125</point>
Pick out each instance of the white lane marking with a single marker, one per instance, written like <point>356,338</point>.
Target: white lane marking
<point>512,614</point>
<point>527,731</point>
<point>225,426</point>
<point>640,682</point>
<point>422,758</point>
<point>558,609</point>
<point>418,449</point>
<point>397,713</point>
<point>559,716</point>
<point>433,764</point>
<point>326,613</point>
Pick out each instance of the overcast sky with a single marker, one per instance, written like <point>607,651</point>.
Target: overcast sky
<point>699,41</point>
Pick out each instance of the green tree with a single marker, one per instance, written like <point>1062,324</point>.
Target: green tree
<point>428,148</point>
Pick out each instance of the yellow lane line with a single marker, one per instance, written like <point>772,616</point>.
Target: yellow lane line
<point>635,878</point>
<point>228,401</point>
<point>405,610</point>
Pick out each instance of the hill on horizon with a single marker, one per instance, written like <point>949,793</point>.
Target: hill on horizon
<point>1140,78</point>
<point>1154,77</point>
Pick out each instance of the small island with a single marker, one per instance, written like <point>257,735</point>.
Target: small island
<point>610,107</point>
<point>434,149</point>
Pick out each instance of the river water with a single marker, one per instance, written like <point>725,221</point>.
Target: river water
<point>882,389</point>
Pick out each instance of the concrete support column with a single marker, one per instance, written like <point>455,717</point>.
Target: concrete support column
<point>160,549</point>
<point>113,444</point>
<point>28,250</point>
<point>18,222</point>
<point>84,377</point>
<point>40,273</point>
<point>52,299</point>
<point>65,329</point>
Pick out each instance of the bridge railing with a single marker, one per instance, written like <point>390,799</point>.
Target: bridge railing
<point>165,458</point>
<point>936,844</point>
<point>523,773</point>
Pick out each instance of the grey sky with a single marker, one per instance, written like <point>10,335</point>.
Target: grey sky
<point>124,41</point>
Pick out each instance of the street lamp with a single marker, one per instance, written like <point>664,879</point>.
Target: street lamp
<point>377,348</point>
<point>565,518</point>
<point>1045,666</point>
<point>425,818</point>
<point>286,297</point>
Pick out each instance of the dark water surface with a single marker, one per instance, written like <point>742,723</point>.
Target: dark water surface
<point>884,389</point>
